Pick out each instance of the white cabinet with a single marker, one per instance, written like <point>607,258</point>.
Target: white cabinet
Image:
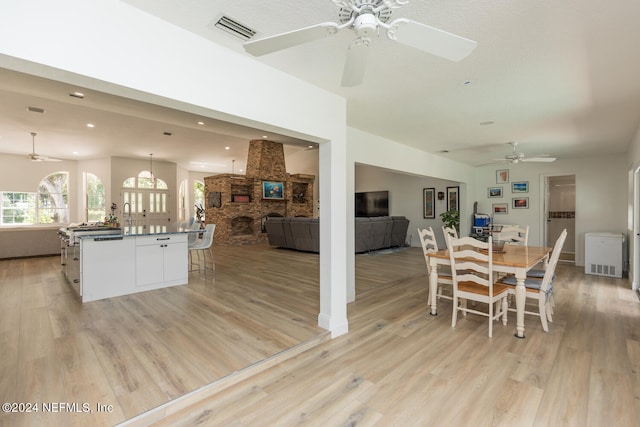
<point>107,267</point>
<point>161,260</point>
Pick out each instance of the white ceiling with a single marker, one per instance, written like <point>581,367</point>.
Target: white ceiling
<point>559,77</point>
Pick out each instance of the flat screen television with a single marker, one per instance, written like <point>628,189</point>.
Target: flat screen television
<point>372,203</point>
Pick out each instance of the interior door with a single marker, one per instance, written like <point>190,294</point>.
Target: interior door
<point>560,213</point>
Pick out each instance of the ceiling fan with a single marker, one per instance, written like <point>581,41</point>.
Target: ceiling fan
<point>37,157</point>
<point>367,18</point>
<point>515,157</point>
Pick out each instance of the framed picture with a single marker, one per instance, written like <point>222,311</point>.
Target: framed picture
<point>520,202</point>
<point>453,198</point>
<point>214,199</point>
<point>500,208</point>
<point>502,176</point>
<point>520,187</point>
<point>494,192</point>
<point>272,190</point>
<point>428,202</point>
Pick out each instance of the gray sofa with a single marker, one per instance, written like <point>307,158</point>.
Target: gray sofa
<point>371,234</point>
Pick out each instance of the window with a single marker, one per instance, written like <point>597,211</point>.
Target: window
<point>53,199</point>
<point>96,209</point>
<point>182,203</point>
<point>145,180</point>
<point>198,195</point>
<point>48,206</point>
<point>18,208</point>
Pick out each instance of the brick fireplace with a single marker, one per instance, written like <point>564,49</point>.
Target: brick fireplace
<point>240,204</point>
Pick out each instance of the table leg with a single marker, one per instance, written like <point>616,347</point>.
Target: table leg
<point>520,303</point>
<point>433,287</point>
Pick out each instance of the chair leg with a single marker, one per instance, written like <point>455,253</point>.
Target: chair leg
<point>490,320</point>
<point>454,316</point>
<point>543,312</point>
<point>505,309</point>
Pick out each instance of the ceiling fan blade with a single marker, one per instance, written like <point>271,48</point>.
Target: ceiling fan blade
<point>356,63</point>
<point>539,159</point>
<point>431,40</point>
<point>39,158</point>
<point>289,39</point>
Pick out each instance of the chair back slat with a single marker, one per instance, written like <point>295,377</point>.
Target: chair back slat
<point>469,262</point>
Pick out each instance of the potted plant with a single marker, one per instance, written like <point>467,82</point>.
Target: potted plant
<point>451,219</point>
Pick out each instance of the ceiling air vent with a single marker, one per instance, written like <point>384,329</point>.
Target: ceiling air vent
<point>232,26</point>
<point>36,109</point>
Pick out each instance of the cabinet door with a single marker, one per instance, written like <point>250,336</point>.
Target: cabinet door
<point>175,262</point>
<point>107,268</point>
<point>149,264</point>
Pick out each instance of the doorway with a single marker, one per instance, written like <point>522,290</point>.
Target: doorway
<point>560,213</point>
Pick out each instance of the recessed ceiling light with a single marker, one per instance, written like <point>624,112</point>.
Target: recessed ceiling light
<point>227,148</point>
<point>90,125</point>
<point>76,153</point>
<point>77,95</point>
<point>201,123</point>
<point>264,136</point>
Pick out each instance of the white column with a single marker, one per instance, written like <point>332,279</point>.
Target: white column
<point>333,237</point>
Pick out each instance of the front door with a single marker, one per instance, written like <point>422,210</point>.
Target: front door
<point>149,208</point>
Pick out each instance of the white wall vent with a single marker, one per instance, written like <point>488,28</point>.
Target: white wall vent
<point>604,270</point>
<point>234,27</point>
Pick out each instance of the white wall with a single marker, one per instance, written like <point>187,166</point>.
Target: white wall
<point>601,195</point>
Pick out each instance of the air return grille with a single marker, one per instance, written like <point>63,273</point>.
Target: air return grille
<point>232,26</point>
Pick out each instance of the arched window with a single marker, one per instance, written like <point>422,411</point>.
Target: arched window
<point>182,200</point>
<point>95,202</point>
<point>53,199</point>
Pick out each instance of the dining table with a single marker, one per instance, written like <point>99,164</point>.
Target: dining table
<point>512,259</point>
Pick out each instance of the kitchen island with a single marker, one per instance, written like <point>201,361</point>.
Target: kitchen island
<point>103,263</point>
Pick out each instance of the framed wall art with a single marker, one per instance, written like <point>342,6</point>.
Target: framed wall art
<point>453,198</point>
<point>520,203</point>
<point>500,208</point>
<point>494,192</point>
<point>502,176</point>
<point>520,187</point>
<point>428,202</point>
<point>272,190</point>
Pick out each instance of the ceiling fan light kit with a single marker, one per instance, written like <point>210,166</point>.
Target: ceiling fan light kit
<point>366,18</point>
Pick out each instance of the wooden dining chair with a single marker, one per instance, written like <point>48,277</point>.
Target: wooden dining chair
<point>472,273</point>
<point>429,245</point>
<point>540,290</point>
<point>450,231</point>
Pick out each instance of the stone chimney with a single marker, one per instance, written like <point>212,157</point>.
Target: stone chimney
<point>266,160</point>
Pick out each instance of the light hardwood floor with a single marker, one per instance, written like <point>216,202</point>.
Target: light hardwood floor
<point>396,366</point>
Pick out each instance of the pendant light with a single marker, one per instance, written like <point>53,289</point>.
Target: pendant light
<point>153,178</point>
